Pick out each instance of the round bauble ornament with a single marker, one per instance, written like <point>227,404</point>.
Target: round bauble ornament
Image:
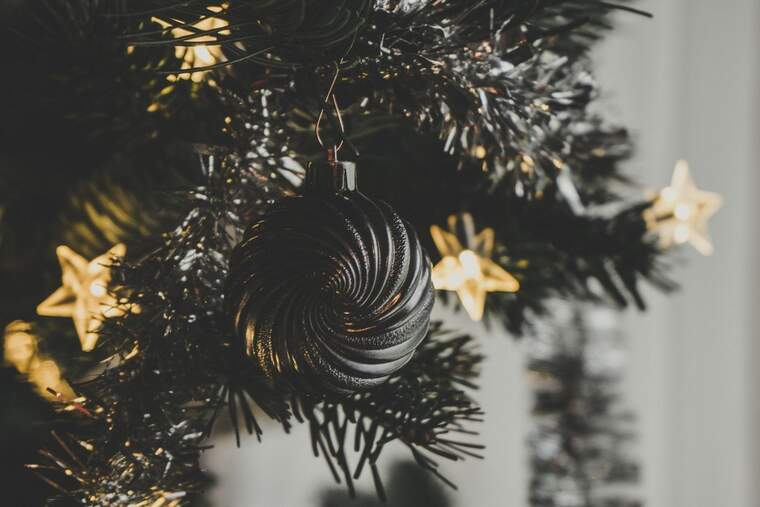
<point>330,291</point>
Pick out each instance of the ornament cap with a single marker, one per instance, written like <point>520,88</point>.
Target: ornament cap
<point>331,176</point>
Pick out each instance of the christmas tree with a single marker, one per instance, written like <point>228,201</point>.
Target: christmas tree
<point>251,207</point>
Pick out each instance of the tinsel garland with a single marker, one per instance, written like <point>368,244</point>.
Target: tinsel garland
<point>581,442</point>
<point>518,145</point>
<point>592,245</point>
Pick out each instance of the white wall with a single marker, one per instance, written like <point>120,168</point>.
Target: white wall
<point>687,84</point>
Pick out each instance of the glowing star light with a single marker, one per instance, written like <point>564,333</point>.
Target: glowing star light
<point>198,47</point>
<point>84,294</point>
<point>468,270</point>
<point>680,212</point>
<point>20,350</point>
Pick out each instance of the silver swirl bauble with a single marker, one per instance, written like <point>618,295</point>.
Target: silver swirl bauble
<point>330,291</point>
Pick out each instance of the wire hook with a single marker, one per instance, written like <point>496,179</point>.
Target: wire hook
<point>330,97</point>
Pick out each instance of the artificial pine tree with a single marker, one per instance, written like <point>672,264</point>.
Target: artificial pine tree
<point>216,148</point>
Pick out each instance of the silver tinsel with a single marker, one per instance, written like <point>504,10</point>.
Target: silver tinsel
<point>581,443</point>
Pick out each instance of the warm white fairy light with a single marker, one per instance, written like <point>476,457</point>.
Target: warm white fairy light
<point>468,269</point>
<point>680,212</point>
<point>200,55</point>
<point>20,351</point>
<point>83,295</point>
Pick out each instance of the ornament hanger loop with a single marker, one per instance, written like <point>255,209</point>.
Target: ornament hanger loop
<point>331,97</point>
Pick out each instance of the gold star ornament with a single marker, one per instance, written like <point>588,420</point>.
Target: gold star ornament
<point>466,266</point>
<point>199,48</point>
<point>20,351</point>
<point>680,212</point>
<point>83,295</point>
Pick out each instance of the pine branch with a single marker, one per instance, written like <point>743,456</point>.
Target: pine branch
<point>493,80</point>
<point>175,365</point>
<point>486,106</point>
<point>296,33</point>
<point>423,406</point>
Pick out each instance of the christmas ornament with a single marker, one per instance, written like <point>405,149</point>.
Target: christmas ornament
<point>84,294</point>
<point>331,290</point>
<point>196,56</point>
<point>20,351</point>
<point>467,268</point>
<point>680,212</point>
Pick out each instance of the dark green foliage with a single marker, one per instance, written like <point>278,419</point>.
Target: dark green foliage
<point>479,106</point>
<point>190,365</point>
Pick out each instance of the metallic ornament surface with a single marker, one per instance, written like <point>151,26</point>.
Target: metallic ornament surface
<point>331,291</point>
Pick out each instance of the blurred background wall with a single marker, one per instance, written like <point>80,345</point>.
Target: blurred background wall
<point>687,84</point>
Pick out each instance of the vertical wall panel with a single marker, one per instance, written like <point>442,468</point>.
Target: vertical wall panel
<point>687,82</point>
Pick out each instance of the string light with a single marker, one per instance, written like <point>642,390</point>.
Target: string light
<point>466,266</point>
<point>198,56</point>
<point>84,295</point>
<point>20,351</point>
<point>680,212</point>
